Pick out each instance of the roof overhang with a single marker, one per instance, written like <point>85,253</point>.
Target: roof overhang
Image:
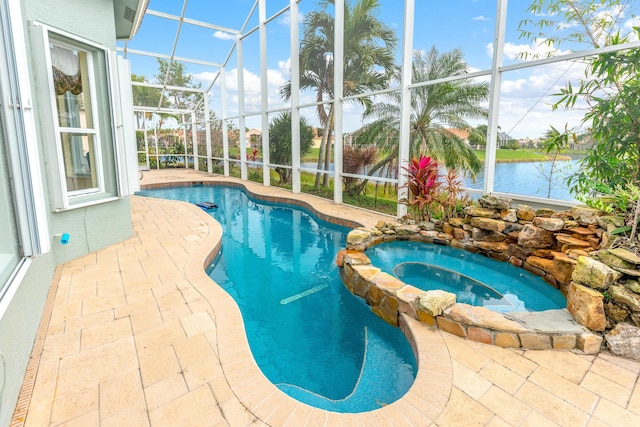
<point>128,16</point>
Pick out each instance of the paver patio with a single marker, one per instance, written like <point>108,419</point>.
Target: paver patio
<point>137,334</point>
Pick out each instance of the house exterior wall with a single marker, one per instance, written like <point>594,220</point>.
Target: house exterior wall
<point>90,227</point>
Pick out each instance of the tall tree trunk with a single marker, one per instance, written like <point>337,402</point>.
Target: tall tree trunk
<point>323,142</point>
<point>327,158</point>
<point>323,145</point>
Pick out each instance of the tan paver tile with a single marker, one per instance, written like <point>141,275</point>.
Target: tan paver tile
<point>560,361</point>
<point>118,393</point>
<point>504,405</point>
<point>462,410</point>
<point>461,351</point>
<point>132,415</point>
<point>88,321</point>
<point>468,381</point>
<point>629,365</point>
<point>576,395</point>
<point>157,364</point>
<point>74,405</point>
<point>510,359</point>
<point>536,419</point>
<point>85,420</point>
<point>282,413</point>
<point>60,346</point>
<point>105,333</point>
<point>502,377</point>
<point>95,365</point>
<point>496,421</point>
<point>39,413</point>
<point>634,400</point>
<point>551,406</point>
<point>236,414</point>
<point>97,304</point>
<point>606,388</point>
<point>196,408</point>
<point>615,415</point>
<point>197,323</point>
<point>614,372</point>
<point>165,391</point>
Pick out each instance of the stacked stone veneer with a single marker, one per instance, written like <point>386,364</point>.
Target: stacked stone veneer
<point>568,249</point>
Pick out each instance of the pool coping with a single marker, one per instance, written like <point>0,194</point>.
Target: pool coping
<point>423,403</point>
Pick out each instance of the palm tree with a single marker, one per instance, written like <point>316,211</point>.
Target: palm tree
<point>369,47</point>
<point>437,111</point>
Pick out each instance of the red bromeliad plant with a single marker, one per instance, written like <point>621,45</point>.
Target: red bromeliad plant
<point>429,197</point>
<point>422,182</point>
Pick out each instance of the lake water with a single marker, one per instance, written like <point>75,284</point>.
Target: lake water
<point>524,178</point>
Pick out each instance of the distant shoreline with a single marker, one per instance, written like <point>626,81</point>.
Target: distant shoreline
<point>547,159</point>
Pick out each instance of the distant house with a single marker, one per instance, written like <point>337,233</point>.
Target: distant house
<point>463,134</point>
<point>67,155</point>
<point>254,138</point>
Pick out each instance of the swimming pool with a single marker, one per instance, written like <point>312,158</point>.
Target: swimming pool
<point>310,337</point>
<point>475,279</point>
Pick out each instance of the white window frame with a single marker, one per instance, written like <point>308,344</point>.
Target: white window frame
<point>62,198</point>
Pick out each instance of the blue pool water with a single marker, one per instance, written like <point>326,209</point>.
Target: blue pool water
<point>309,335</point>
<point>475,279</point>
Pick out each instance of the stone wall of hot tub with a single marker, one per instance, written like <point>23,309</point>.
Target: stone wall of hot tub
<point>571,250</point>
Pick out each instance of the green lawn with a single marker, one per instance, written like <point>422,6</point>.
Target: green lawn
<point>519,155</point>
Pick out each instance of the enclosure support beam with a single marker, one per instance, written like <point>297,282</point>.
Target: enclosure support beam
<point>194,141</point>
<point>224,124</point>
<point>405,104</point>
<point>241,122</point>
<point>264,90</point>
<point>338,88</point>
<point>207,130</point>
<point>494,100</point>
<point>295,96</point>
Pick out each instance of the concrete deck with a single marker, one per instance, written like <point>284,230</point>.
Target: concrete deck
<point>137,334</point>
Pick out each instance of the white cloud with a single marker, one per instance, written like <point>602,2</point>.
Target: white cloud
<point>285,18</point>
<point>480,18</point>
<point>222,35</point>
<point>539,48</point>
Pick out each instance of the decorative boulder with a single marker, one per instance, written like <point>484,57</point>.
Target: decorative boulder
<point>594,274</point>
<point>495,225</point>
<point>586,306</point>
<point>358,237</point>
<point>624,340</point>
<point>536,238</point>
<point>435,302</point>
<point>525,213</point>
<point>493,202</point>
<point>585,215</point>
<point>549,224</point>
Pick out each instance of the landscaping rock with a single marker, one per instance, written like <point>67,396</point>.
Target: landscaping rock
<point>478,211</point>
<point>486,235</point>
<point>535,238</point>
<point>509,215</point>
<point>488,224</point>
<point>494,202</point>
<point>491,246</point>
<point>612,260</point>
<point>545,213</point>
<point>623,296</point>
<point>457,222</point>
<point>460,235</point>
<point>549,224</point>
<point>525,213</point>
<point>435,302</point>
<point>585,215</point>
<point>563,267</point>
<point>479,316</point>
<point>589,343</point>
<point>609,220</point>
<point>407,230</point>
<point>624,340</point>
<point>586,306</point>
<point>633,286</point>
<point>544,264</point>
<point>427,225</point>
<point>625,255</point>
<point>615,313</point>
<point>594,274</point>
<point>358,236</point>
<point>572,242</point>
<point>356,258</point>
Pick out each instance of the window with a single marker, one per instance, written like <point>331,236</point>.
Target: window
<point>70,71</point>
<point>82,153</point>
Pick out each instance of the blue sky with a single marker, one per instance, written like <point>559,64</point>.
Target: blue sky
<point>446,24</point>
